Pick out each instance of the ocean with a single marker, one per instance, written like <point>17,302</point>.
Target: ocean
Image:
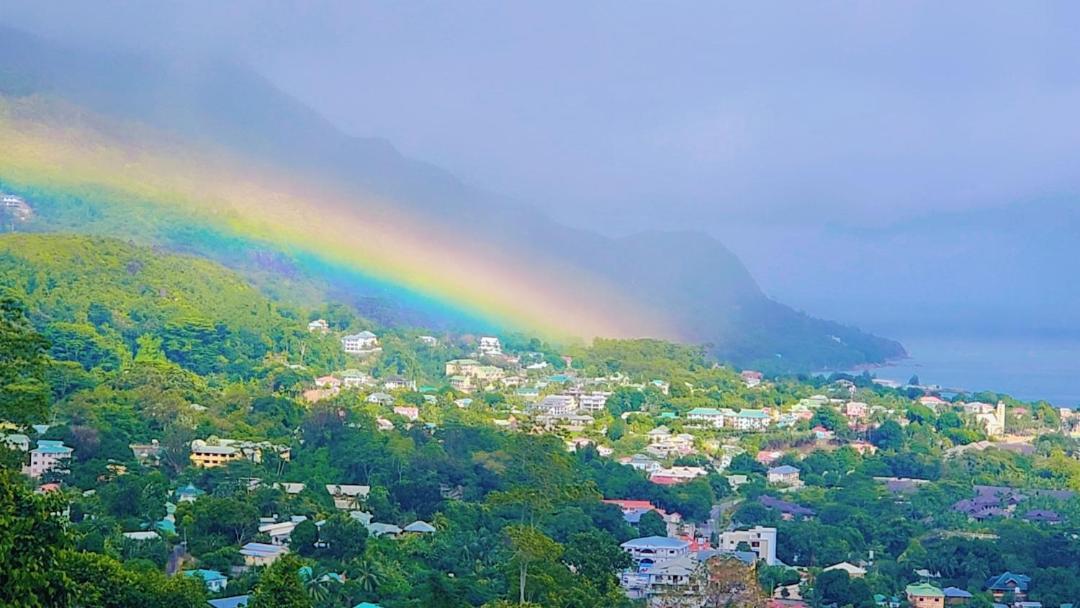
<point>1028,368</point>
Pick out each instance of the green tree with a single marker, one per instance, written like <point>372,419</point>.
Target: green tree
<point>32,540</point>
<point>281,586</point>
<point>529,547</point>
<point>24,394</point>
<point>652,524</point>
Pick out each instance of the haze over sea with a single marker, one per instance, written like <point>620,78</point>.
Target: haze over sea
<point>1034,367</point>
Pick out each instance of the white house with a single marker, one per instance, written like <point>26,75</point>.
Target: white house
<point>761,541</point>
<point>656,548</point>
<point>556,405</point>
<point>361,343</point>
<point>490,346</point>
<point>319,325</point>
<point>784,475</point>
<point>593,402</point>
<point>214,580</point>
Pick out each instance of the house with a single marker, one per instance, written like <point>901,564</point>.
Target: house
<point>642,462</point>
<point>852,570</point>
<point>354,378</point>
<point>490,347</point>
<point>556,405</point>
<point>261,554</point>
<point>237,601</point>
<point>289,487</point>
<point>761,541</point>
<point>379,530</point>
<point>347,497</point>
<point>463,367</point>
<point>279,533</point>
<point>822,433</point>
<point>318,325</point>
<point>380,399</point>
<point>462,383</point>
<point>141,535</point>
<point>419,527</point>
<point>428,340</point>
<point>750,420</point>
<point>49,456</point>
<point>658,434</point>
<point>924,595</point>
<point>17,441</point>
<point>215,452</point>
<point>215,581</point>
<point>955,596</point>
<point>410,412</point>
<point>788,510</point>
<point>676,475</point>
<point>147,453</point>
<point>856,410</point>
<point>15,206</point>
<point>593,402</point>
<point>327,382</point>
<point>393,383</point>
<point>786,475</point>
<point>656,548</point>
<point>751,378</point>
<point>994,422</point>
<point>707,416</point>
<point>1043,516</point>
<point>188,493</point>
<point>863,447</point>
<point>933,402</point>
<point>360,344</point>
<point>1008,583</point>
<point>670,577</point>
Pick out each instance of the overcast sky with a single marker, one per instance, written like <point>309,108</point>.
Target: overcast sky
<point>789,130</point>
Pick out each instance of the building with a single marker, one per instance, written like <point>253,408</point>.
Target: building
<point>348,497</point>
<point>319,325</point>
<point>214,580</point>
<point>852,570</point>
<point>993,422</point>
<point>16,207</point>
<point>1009,583</point>
<point>652,549</point>
<point>955,596</point>
<point>750,420</point>
<point>428,340</point>
<point>785,475</point>
<point>214,452</point>
<point>707,416</point>
<point>411,412</point>
<point>147,453</point>
<point>676,475</point>
<point>751,378</point>
<point>761,541</point>
<point>261,554</point>
<point>924,595</point>
<point>556,405</point>
<point>17,441</point>
<point>490,347</point>
<point>856,410</point>
<point>593,402</point>
<point>279,533</point>
<point>360,344</point>
<point>49,456</point>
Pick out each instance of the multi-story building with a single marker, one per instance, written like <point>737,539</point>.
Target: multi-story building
<point>48,456</point>
<point>219,452</point>
<point>361,343</point>
<point>490,347</point>
<point>924,595</point>
<point>761,541</point>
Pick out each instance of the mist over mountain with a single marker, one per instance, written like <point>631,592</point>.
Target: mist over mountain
<point>700,285</point>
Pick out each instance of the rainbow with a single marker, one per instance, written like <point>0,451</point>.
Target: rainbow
<point>48,146</point>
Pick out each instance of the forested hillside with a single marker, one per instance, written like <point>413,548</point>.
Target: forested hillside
<point>100,301</point>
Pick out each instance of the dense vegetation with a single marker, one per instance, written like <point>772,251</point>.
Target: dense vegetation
<point>114,344</point>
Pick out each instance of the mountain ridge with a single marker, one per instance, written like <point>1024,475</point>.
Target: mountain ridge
<point>693,278</point>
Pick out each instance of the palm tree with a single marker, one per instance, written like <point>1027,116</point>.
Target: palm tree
<point>316,583</point>
<point>367,574</point>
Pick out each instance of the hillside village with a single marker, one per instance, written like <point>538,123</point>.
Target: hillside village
<point>737,462</point>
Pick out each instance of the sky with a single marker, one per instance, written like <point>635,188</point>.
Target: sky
<point>848,152</point>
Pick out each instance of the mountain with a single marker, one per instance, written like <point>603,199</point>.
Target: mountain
<point>425,231</point>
